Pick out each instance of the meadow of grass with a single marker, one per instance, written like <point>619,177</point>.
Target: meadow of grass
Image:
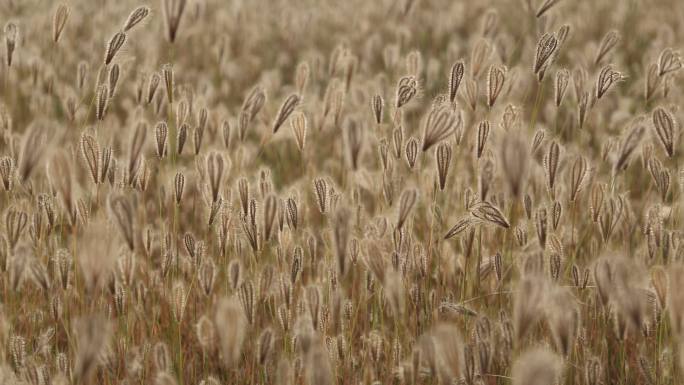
<point>341,192</point>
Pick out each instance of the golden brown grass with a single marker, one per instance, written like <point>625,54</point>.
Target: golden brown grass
<point>341,192</point>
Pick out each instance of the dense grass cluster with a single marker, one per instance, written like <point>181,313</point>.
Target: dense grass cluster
<point>341,192</point>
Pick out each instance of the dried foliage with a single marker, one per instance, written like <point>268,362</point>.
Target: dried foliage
<point>341,192</point>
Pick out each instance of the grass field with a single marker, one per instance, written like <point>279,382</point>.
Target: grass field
<point>341,192</point>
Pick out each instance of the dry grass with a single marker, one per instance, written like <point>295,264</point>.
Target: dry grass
<point>319,192</point>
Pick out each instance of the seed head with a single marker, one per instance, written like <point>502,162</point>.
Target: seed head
<point>181,138</point>
<point>101,101</point>
<point>411,152</point>
<point>173,11</point>
<point>628,144</point>
<point>136,17</point>
<point>152,86</point>
<point>11,37</point>
<point>285,111</point>
<point>578,173</point>
<point>377,106</point>
<point>609,41</point>
<point>483,129</point>
<point>114,45</point>
<point>479,57</point>
<point>216,165</point>
<point>487,212</point>
<point>545,6</point>
<point>462,225</point>
<point>406,90</point>
<point>169,82</point>
<point>495,83</point>
<point>406,203</point>
<point>561,85</point>
<point>455,77</point>
<point>59,21</point>
<point>665,127</point>
<point>7,172</point>
<point>443,160</point>
<point>302,77</point>
<point>441,123</point>
<point>161,133</point>
<point>546,48</point>
<point>669,61</point>
<point>607,77</point>
<point>179,187</point>
<point>321,190</point>
<point>551,161</point>
<point>90,151</point>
